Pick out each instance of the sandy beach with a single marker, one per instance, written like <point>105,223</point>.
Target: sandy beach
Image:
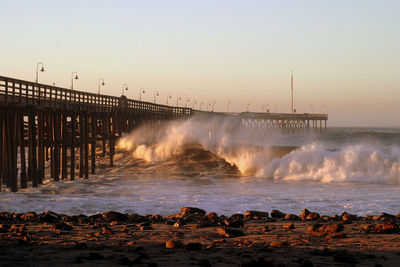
<point>194,238</point>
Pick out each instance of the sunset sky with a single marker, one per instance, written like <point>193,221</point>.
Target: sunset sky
<point>345,54</point>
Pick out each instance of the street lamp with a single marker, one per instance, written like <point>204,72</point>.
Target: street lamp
<point>178,97</point>
<point>72,79</point>
<point>227,106</point>
<point>142,91</point>
<point>213,103</point>
<point>101,82</point>
<point>124,88</point>
<point>208,105</point>
<point>168,97</point>
<point>37,70</point>
<point>155,94</point>
<point>194,102</point>
<point>187,101</point>
<point>200,104</point>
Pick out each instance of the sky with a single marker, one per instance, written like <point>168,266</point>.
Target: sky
<point>345,55</point>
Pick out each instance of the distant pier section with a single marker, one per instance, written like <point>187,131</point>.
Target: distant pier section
<point>52,132</point>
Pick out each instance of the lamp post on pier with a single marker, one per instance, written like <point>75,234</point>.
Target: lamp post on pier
<point>155,95</point>
<point>124,88</point>
<point>227,106</point>
<point>194,102</point>
<point>101,83</point>
<point>178,98</point>
<point>187,101</point>
<point>168,97</point>
<point>142,91</point>
<point>200,104</point>
<point>73,78</point>
<point>37,71</point>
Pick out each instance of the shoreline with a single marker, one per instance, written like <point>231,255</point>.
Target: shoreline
<point>194,237</point>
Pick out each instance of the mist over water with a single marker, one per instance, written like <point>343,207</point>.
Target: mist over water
<point>222,165</point>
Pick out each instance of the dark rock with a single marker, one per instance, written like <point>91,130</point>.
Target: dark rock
<point>254,214</point>
<point>95,217</point>
<point>179,224</point>
<point>235,217</point>
<point>133,218</point>
<point>170,222</point>
<point>387,227</point>
<point>194,246</point>
<point>213,218</point>
<point>61,226</point>
<point>347,217</point>
<point>292,217</point>
<point>312,216</point>
<point>345,257</point>
<point>203,225</point>
<point>115,216</point>
<point>304,214</point>
<point>157,218</point>
<point>192,210</point>
<point>238,223</point>
<point>144,228</point>
<point>277,214</point>
<point>192,218</point>
<point>144,224</point>
<point>230,232</point>
<point>325,229</point>
<point>29,216</point>
<point>50,218</point>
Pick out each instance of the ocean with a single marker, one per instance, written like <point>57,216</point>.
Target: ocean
<point>219,166</point>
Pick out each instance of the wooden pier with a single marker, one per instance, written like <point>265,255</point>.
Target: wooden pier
<point>41,123</point>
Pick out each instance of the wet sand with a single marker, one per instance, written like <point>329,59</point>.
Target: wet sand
<point>194,238</point>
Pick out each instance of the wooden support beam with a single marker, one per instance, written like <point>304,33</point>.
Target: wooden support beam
<point>73,140</point>
<point>22,145</point>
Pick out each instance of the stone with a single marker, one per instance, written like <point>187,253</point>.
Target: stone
<point>133,218</point>
<point>256,214</point>
<point>347,217</point>
<point>192,218</point>
<point>292,217</point>
<point>114,223</point>
<point>192,210</point>
<point>50,218</point>
<point>234,223</point>
<point>277,214</point>
<point>194,246</point>
<point>114,216</point>
<point>61,226</point>
<point>173,244</point>
<point>304,214</point>
<point>107,231</point>
<point>157,218</point>
<point>230,232</point>
<point>325,229</point>
<point>397,216</point>
<point>345,257</point>
<point>145,228</point>
<point>235,217</point>
<point>312,216</point>
<point>288,226</point>
<point>213,217</point>
<point>388,227</point>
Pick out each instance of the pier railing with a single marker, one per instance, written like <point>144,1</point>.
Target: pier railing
<point>19,92</point>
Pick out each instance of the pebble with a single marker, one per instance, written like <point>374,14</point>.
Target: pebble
<point>173,244</point>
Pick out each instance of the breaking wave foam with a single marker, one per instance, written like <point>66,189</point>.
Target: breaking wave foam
<point>271,157</point>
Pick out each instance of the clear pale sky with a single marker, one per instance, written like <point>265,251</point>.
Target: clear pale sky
<point>345,54</point>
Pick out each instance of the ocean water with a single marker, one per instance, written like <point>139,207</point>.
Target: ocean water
<point>218,166</point>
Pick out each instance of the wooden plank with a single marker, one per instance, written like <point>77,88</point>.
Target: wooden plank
<point>41,140</point>
<point>32,145</point>
<point>64,146</point>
